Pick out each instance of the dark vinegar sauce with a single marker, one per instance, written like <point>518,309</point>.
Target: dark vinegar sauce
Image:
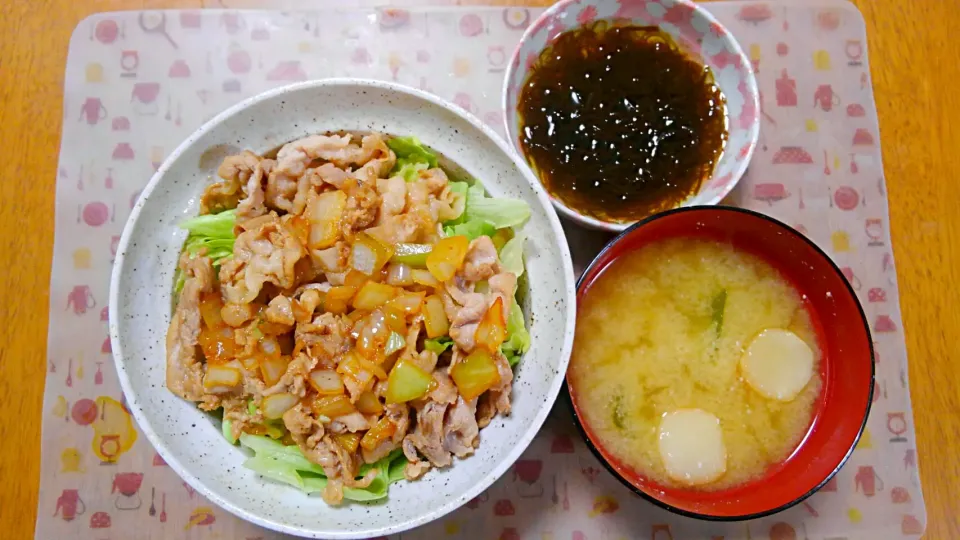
<point>619,122</point>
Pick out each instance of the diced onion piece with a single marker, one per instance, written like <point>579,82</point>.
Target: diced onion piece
<point>492,329</point>
<point>368,403</point>
<point>350,367</point>
<point>249,363</point>
<point>349,441</point>
<point>324,212</point>
<point>395,318</point>
<point>220,379</point>
<point>368,254</point>
<point>272,368</point>
<point>373,295</point>
<point>399,274</point>
<point>326,382</point>
<point>377,371</point>
<point>210,304</point>
<point>332,406</point>
<point>425,278</point>
<point>691,446</point>
<point>275,405</point>
<point>394,343</point>
<point>412,254</point>
<point>218,344</point>
<point>381,431</point>
<point>777,364</point>
<point>236,315</point>
<point>447,257</point>
<point>434,317</point>
<point>356,279</point>
<point>475,374</point>
<point>372,336</point>
<point>338,299</point>
<point>406,382</point>
<point>408,302</point>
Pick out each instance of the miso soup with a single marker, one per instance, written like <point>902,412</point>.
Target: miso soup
<point>695,364</point>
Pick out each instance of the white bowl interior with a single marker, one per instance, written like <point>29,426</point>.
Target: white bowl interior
<point>140,299</point>
<point>703,38</point>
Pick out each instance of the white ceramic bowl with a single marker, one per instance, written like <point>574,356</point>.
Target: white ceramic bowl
<point>698,33</point>
<point>140,298</point>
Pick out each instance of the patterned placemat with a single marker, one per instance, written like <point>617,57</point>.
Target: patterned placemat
<point>137,83</point>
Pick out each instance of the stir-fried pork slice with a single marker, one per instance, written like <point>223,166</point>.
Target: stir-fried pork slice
<point>481,262</point>
<point>446,391</point>
<point>405,228</point>
<point>333,259</point>
<point>500,394</point>
<point>246,171</point>
<point>300,421</point>
<point>220,196</point>
<point>427,436</point>
<point>294,379</point>
<point>399,415</point>
<point>265,252</point>
<point>460,428</point>
<point>463,325</point>
<point>325,337</point>
<point>503,285</point>
<point>363,201</point>
<point>280,311</point>
<point>415,467</point>
<point>329,173</point>
<point>383,160</point>
<point>287,193</point>
<point>434,180</point>
<point>352,423</point>
<point>235,411</point>
<point>294,157</point>
<point>486,410</point>
<point>184,369</point>
<point>393,196</point>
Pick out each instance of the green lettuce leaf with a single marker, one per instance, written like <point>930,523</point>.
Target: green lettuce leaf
<point>471,229</point>
<point>213,232</point>
<point>511,255</point>
<point>437,345</point>
<point>287,464</point>
<point>518,338</point>
<point>412,157</point>
<point>500,212</point>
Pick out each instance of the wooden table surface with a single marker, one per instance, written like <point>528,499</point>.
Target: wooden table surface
<point>915,71</point>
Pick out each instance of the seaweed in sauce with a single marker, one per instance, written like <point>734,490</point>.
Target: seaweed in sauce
<point>619,122</point>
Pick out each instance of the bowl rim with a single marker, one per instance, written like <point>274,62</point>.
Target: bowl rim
<point>863,318</point>
<point>520,444</point>
<point>752,87</point>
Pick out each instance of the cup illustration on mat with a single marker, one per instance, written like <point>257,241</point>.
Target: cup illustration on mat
<point>144,98</point>
<point>80,299</point>
<point>867,482</point>
<point>67,505</point>
<point>93,110</point>
<point>129,62</point>
<point>527,473</point>
<point>825,97</point>
<point>128,484</point>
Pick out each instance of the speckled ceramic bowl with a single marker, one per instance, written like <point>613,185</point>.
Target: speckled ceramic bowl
<point>698,33</point>
<point>140,298</point>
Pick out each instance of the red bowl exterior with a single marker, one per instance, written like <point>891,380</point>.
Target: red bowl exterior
<point>846,368</point>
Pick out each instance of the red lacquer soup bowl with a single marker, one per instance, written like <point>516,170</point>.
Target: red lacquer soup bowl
<point>846,366</point>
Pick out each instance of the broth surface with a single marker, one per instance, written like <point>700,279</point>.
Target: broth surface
<point>663,329</point>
